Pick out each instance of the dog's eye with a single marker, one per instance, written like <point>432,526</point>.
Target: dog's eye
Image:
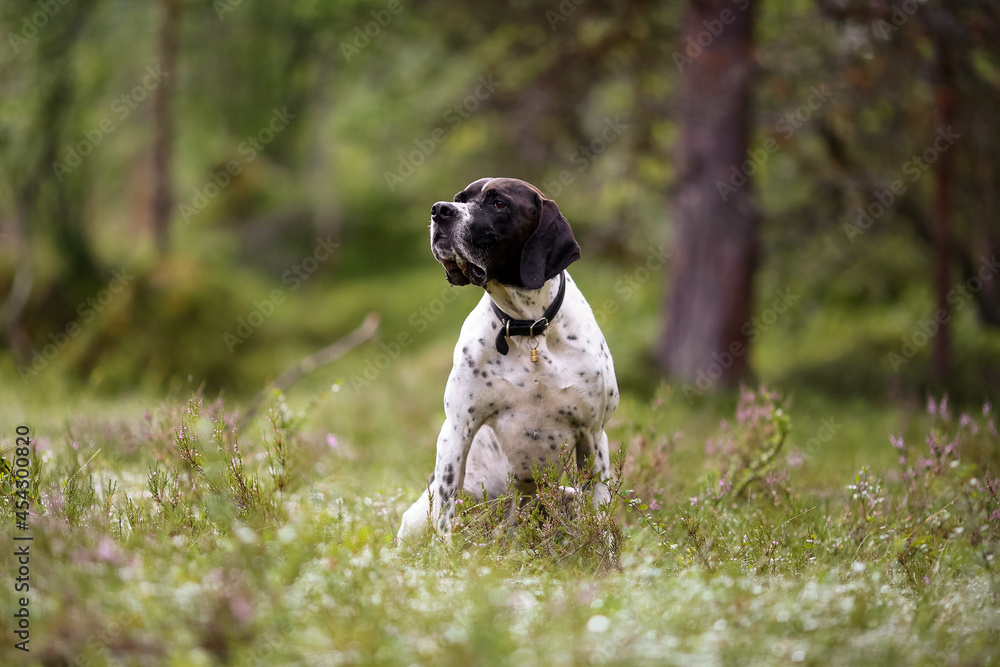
<point>500,205</point>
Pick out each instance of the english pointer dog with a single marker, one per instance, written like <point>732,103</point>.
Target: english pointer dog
<point>532,373</point>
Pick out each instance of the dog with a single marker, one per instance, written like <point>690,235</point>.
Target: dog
<point>532,373</point>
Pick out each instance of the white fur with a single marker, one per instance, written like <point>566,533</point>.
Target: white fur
<point>505,415</point>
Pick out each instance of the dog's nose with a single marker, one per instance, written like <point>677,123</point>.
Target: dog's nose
<point>443,211</point>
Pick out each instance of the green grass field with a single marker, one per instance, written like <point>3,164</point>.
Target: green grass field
<point>755,528</point>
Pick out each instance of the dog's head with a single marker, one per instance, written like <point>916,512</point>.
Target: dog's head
<point>501,229</point>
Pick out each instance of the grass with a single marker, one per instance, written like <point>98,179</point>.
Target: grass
<point>842,522</point>
<point>179,536</point>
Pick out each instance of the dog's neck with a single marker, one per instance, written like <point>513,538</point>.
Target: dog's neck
<point>521,303</point>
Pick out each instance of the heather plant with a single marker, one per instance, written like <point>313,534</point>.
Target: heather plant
<point>203,481</point>
<point>218,469</point>
<point>557,526</point>
<point>936,512</point>
<point>751,446</point>
<point>193,538</point>
<point>730,517</point>
<point>940,509</point>
<point>11,492</point>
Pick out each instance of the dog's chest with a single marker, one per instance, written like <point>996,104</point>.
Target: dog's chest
<point>536,407</point>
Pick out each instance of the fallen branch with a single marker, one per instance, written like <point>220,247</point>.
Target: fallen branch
<point>324,357</point>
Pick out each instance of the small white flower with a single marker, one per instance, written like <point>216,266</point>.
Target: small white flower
<point>598,623</point>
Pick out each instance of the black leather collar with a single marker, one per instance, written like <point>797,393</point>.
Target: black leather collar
<point>511,327</point>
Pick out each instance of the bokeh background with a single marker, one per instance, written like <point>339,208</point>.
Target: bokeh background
<point>202,201</point>
<point>202,194</point>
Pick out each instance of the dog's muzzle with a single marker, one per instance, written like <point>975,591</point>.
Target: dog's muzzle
<point>445,221</point>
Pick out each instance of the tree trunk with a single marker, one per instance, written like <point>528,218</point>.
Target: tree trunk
<point>163,201</point>
<point>944,102</point>
<point>45,198</point>
<point>715,218</point>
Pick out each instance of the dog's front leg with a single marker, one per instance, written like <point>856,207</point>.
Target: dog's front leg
<point>592,449</point>
<point>601,467</point>
<point>453,446</point>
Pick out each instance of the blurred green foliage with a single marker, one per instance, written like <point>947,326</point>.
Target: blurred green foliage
<point>181,533</point>
<point>374,91</point>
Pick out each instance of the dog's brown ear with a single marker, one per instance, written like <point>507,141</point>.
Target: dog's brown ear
<point>550,249</point>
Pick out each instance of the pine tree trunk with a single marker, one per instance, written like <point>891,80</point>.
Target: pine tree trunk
<point>163,201</point>
<point>944,102</point>
<point>716,221</point>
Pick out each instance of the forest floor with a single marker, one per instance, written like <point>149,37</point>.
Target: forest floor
<point>746,528</point>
